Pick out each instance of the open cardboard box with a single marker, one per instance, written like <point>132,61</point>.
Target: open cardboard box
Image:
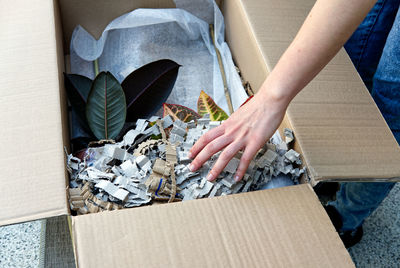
<point>339,131</point>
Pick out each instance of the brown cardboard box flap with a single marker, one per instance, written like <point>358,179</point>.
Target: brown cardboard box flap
<point>32,183</point>
<point>284,227</point>
<point>95,15</point>
<point>338,128</point>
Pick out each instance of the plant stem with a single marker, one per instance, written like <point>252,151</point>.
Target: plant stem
<point>96,67</point>
<point>221,67</point>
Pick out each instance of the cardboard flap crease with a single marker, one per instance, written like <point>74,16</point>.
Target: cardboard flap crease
<point>258,229</point>
<point>32,165</point>
<point>338,128</point>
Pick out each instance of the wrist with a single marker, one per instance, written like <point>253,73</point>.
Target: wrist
<point>274,94</point>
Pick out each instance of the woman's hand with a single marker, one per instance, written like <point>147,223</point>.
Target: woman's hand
<point>247,129</point>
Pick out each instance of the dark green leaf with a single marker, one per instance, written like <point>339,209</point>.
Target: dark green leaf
<point>78,88</point>
<point>148,87</point>
<point>106,106</point>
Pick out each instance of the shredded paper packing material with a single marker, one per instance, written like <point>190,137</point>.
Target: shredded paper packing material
<point>157,170</point>
<point>181,34</point>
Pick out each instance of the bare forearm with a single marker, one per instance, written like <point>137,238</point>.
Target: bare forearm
<point>327,27</point>
<point>325,30</point>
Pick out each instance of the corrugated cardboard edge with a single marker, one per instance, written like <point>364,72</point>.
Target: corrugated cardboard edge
<point>384,171</point>
<point>243,44</point>
<point>63,97</point>
<point>34,216</point>
<point>313,173</point>
<point>71,225</point>
<point>258,229</point>
<point>39,191</point>
<point>241,37</point>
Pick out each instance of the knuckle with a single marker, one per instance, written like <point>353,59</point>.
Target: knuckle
<point>241,169</point>
<point>210,148</point>
<point>216,169</point>
<point>199,160</point>
<point>231,132</point>
<point>246,159</point>
<point>194,148</point>
<point>208,136</point>
<point>204,139</point>
<point>195,162</point>
<point>199,142</point>
<point>226,155</point>
<point>258,139</point>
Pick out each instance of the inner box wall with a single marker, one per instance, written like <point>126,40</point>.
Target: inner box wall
<point>63,98</point>
<point>70,13</point>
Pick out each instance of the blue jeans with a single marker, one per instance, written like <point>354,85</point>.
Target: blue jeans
<point>375,52</point>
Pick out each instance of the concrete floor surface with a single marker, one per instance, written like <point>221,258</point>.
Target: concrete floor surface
<point>20,245</point>
<point>380,245</point>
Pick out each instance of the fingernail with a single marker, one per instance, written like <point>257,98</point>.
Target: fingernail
<point>236,178</point>
<point>210,177</point>
<point>191,167</point>
<point>190,155</point>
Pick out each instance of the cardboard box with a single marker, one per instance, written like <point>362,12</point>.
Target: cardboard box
<point>338,129</point>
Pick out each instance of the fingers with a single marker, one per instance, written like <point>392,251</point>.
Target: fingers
<point>224,158</point>
<point>205,139</point>
<point>245,160</point>
<point>211,148</point>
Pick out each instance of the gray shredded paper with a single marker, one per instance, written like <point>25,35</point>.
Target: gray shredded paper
<point>119,175</point>
<point>121,172</point>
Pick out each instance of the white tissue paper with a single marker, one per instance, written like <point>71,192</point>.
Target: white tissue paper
<point>180,34</point>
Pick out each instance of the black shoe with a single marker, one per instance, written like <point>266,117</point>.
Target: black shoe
<point>326,191</point>
<point>349,238</point>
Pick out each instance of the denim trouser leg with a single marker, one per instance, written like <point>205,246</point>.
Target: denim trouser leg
<point>366,44</point>
<point>356,201</point>
<point>386,82</point>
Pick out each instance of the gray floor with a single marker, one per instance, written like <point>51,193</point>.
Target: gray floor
<point>20,244</point>
<point>58,250</point>
<point>380,246</point>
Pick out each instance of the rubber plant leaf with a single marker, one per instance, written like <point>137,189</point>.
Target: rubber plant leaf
<point>180,112</point>
<point>206,105</point>
<point>148,87</point>
<point>106,106</point>
<point>78,88</point>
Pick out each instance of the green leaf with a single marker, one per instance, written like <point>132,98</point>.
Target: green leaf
<point>106,106</point>
<point>148,87</point>
<point>78,88</point>
<point>180,112</point>
<point>206,105</point>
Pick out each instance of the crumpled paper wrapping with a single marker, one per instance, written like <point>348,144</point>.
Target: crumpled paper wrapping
<point>180,34</point>
<point>136,171</point>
